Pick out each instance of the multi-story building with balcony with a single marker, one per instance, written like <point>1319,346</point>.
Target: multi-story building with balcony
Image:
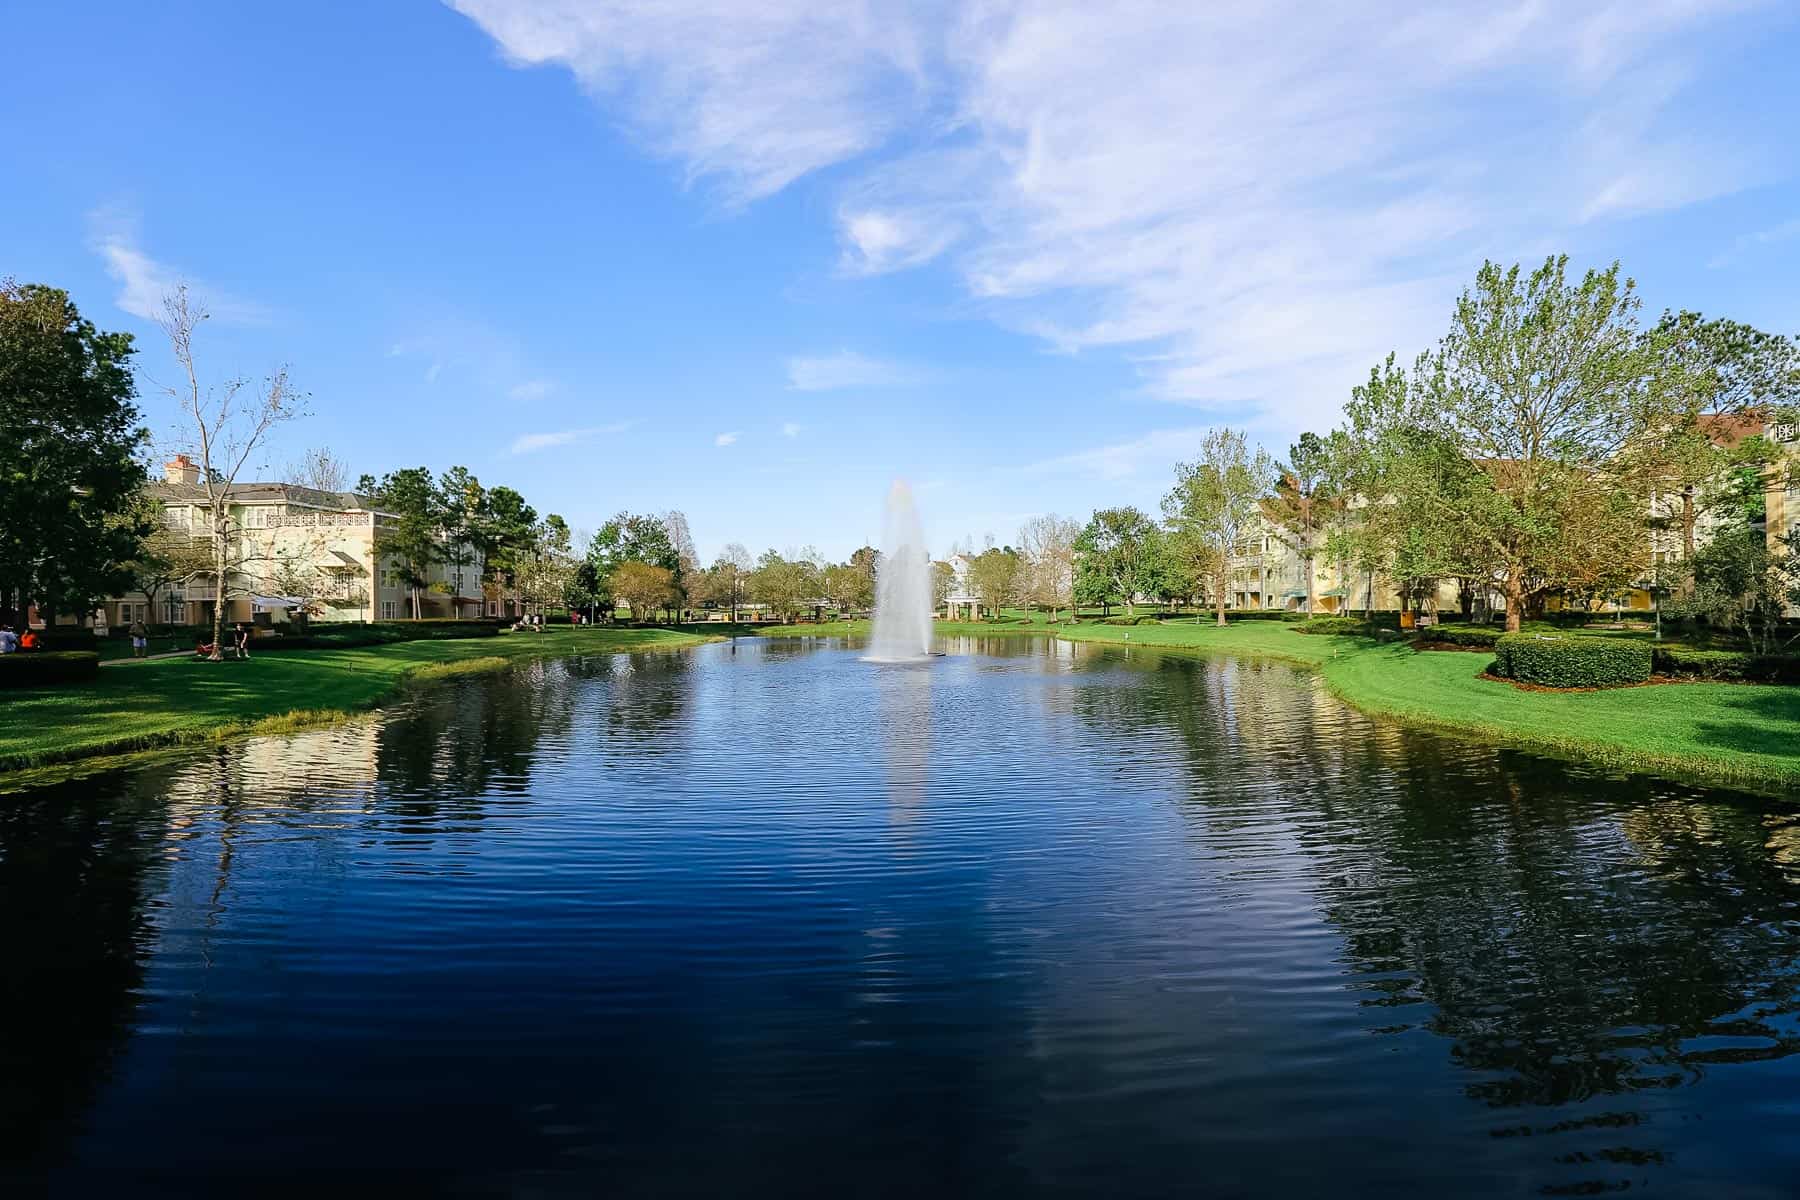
<point>295,549</point>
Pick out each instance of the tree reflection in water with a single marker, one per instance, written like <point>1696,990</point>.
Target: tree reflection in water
<point>1579,941</point>
<point>1090,915</point>
<point>79,862</point>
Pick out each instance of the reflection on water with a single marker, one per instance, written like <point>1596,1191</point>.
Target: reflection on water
<point>763,918</point>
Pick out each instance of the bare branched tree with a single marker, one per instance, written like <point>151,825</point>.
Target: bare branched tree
<point>227,422</point>
<point>318,469</point>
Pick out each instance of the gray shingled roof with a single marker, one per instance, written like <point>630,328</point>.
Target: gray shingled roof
<point>251,493</point>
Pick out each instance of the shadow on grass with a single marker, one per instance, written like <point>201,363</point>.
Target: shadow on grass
<point>1771,727</point>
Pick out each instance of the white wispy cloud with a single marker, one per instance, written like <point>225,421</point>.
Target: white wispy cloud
<point>790,429</point>
<point>726,439</point>
<point>1786,231</point>
<point>530,389</point>
<point>845,369</point>
<point>144,281</point>
<point>531,442</point>
<point>1259,200</point>
<point>750,95</point>
<point>1154,454</point>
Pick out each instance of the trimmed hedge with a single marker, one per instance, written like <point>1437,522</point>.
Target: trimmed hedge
<point>1478,637</point>
<point>346,635</point>
<point>1353,626</point>
<point>37,668</point>
<point>1257,614</point>
<point>1730,665</point>
<point>1563,661</point>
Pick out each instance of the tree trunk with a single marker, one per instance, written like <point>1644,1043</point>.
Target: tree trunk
<point>1515,602</point>
<point>1223,581</point>
<point>1688,520</point>
<point>1306,564</point>
<point>218,621</point>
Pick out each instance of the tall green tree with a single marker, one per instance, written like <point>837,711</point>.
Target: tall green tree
<point>1738,583</point>
<point>508,528</point>
<point>1216,500</point>
<point>1296,508</point>
<point>414,540</point>
<point>1733,377</point>
<point>849,588</point>
<point>1115,556</point>
<point>1400,472</point>
<point>786,583</point>
<point>463,518</point>
<point>1547,388</point>
<point>995,576</point>
<point>69,436</point>
<point>549,568</point>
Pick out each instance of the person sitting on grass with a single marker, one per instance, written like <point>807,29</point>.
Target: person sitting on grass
<point>9,641</point>
<point>203,649</point>
<point>29,640</point>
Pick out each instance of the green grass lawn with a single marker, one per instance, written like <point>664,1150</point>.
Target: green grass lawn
<point>138,705</point>
<point>1722,732</point>
<point>1717,732</point>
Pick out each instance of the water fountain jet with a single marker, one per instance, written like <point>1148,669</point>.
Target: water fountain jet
<point>902,630</point>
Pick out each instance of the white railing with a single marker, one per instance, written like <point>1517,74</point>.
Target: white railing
<point>315,520</point>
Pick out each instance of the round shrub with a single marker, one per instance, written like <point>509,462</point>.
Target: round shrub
<point>43,667</point>
<point>1564,661</point>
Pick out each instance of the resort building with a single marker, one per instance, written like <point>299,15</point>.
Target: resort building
<point>296,549</point>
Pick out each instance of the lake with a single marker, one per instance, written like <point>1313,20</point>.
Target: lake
<point>759,918</point>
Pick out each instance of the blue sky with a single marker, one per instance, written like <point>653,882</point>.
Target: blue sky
<point>753,260</point>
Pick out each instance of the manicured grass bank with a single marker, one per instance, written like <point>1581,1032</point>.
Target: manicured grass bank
<point>1718,732</point>
<point>165,702</point>
<point>1742,734</point>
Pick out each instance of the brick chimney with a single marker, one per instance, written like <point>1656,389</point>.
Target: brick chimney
<point>181,469</point>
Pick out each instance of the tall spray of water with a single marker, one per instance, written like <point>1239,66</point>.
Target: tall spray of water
<point>903,584</point>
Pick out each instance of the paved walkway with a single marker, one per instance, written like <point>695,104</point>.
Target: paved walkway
<point>113,662</point>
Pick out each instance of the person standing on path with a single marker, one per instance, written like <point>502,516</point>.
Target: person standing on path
<point>140,639</point>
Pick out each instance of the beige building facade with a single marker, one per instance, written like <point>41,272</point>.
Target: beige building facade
<point>293,550</point>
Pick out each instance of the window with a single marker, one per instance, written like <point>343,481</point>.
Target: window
<point>390,578</point>
<point>175,609</point>
<point>390,610</point>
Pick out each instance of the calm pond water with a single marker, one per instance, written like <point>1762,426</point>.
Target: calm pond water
<point>767,920</point>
